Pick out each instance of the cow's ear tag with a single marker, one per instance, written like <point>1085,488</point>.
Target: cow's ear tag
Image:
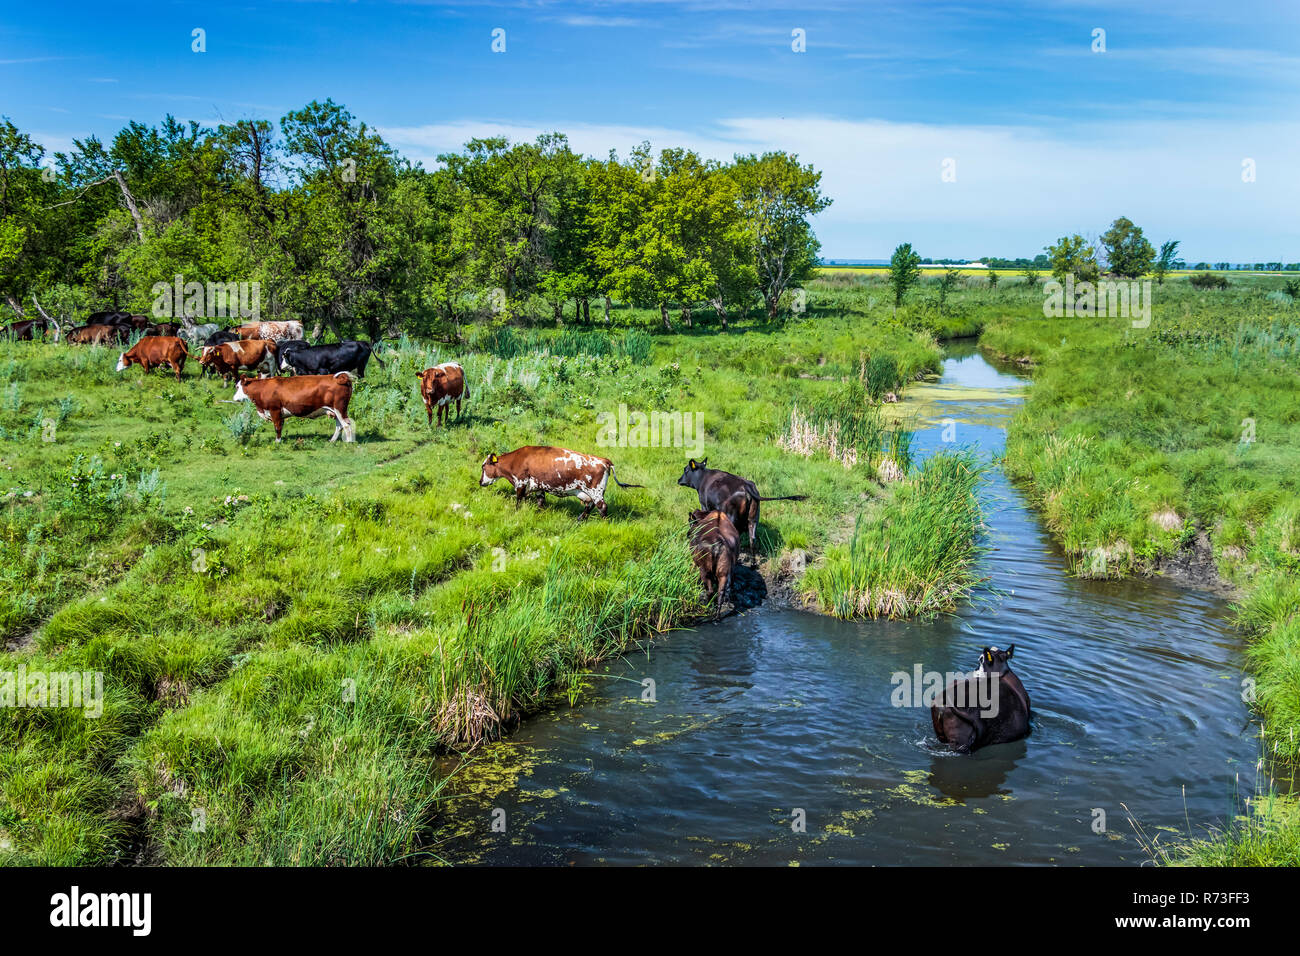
<point>693,465</point>
<point>988,657</point>
<point>493,459</point>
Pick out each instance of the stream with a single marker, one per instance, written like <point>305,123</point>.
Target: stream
<point>772,739</point>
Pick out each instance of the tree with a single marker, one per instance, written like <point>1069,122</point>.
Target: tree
<point>993,279</point>
<point>1165,262</point>
<point>904,271</point>
<point>777,197</point>
<point>1073,255</point>
<point>1128,253</point>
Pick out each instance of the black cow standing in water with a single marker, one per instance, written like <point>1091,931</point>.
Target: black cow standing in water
<point>990,706</point>
<point>734,496</point>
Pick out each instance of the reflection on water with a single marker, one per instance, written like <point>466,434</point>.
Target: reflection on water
<point>777,715</point>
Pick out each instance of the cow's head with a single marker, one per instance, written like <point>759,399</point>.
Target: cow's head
<point>240,394</point>
<point>491,470</point>
<point>994,661</point>
<point>693,473</point>
<point>207,356</point>
<point>122,362</point>
<point>696,516</point>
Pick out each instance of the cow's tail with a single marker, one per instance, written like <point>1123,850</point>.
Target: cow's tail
<point>785,498</point>
<point>611,467</point>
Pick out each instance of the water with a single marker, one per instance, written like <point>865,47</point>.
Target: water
<point>777,714</point>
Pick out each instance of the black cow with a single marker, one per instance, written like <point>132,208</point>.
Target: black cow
<point>734,496</point>
<point>221,338</point>
<point>990,706</point>
<point>306,359</point>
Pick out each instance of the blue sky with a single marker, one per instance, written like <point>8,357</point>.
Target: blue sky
<point>1046,136</point>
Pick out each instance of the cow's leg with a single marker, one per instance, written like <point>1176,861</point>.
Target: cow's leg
<point>519,496</point>
<point>458,409</point>
<point>600,504</point>
<point>338,423</point>
<point>587,503</point>
<point>428,407</point>
<point>277,419</point>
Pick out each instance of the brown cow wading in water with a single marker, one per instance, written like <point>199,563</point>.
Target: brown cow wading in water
<point>715,549</point>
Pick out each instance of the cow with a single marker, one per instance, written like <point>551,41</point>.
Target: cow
<point>221,337</point>
<point>108,317</point>
<point>303,396</point>
<point>199,334</point>
<point>440,386</point>
<point>97,334</point>
<point>163,328</point>
<point>557,471</point>
<point>737,497</point>
<point>123,320</point>
<point>304,359</point>
<point>270,331</point>
<point>990,706</point>
<point>155,350</point>
<point>228,358</point>
<point>24,331</point>
<point>715,547</point>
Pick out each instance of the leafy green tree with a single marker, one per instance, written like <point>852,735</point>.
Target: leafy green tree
<point>1073,255</point>
<point>904,271</point>
<point>777,197</point>
<point>1127,251</point>
<point>1168,256</point>
<point>23,195</point>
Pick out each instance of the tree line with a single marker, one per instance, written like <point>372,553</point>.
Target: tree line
<point>342,232</point>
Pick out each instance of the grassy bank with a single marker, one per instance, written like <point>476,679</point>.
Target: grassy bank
<point>1142,446</point>
<point>289,635</point>
<point>912,554</point>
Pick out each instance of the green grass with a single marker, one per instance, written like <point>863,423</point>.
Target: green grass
<point>291,635</point>
<point>913,553</point>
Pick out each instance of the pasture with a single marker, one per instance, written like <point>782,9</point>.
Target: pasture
<point>290,634</point>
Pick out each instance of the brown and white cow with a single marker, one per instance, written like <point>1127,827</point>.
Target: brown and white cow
<point>303,396</point>
<point>270,331</point>
<point>154,351</point>
<point>557,471</point>
<point>715,549</point>
<point>440,386</point>
<point>229,358</point>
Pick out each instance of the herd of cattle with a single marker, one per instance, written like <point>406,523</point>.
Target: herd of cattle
<point>321,384</point>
